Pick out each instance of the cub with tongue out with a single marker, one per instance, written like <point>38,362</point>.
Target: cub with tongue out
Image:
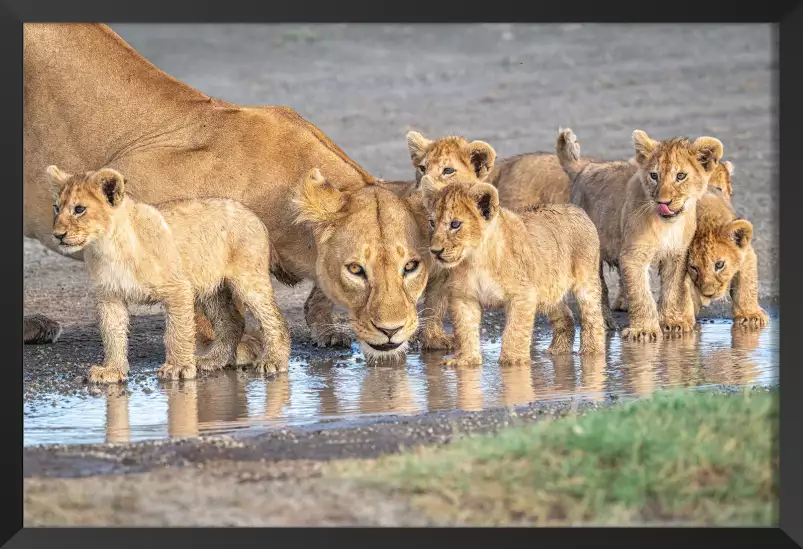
<point>645,212</point>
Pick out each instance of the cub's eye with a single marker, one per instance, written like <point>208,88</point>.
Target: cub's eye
<point>79,210</point>
<point>56,209</point>
<point>411,266</point>
<point>356,269</point>
<point>719,265</point>
<point>654,176</point>
<point>455,224</point>
<point>431,223</point>
<point>422,168</point>
<point>680,176</point>
<point>448,171</point>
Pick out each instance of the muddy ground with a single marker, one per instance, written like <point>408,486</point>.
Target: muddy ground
<point>365,86</point>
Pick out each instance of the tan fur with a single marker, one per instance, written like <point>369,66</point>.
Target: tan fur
<point>90,101</point>
<point>370,259</point>
<point>621,198</point>
<point>723,237</point>
<point>526,263</point>
<point>450,158</point>
<point>179,254</point>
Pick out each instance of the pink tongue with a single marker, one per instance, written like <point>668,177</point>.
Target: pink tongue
<point>664,209</point>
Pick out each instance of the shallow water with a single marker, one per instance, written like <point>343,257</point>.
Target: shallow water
<point>324,391</point>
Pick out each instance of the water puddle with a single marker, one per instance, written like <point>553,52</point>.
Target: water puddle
<point>325,391</point>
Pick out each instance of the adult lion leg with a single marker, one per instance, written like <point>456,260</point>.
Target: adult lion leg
<point>744,294</point>
<point>436,303</point>
<point>675,304</point>
<point>321,322</point>
<point>634,266</point>
<point>38,329</point>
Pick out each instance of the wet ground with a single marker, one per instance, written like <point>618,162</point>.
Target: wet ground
<point>365,86</point>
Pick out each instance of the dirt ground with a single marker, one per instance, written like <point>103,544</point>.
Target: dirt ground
<point>365,86</point>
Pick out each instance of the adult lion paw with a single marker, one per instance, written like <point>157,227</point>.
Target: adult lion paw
<point>107,374</point>
<point>173,372</point>
<point>458,361</point>
<point>752,319</point>
<point>645,332</point>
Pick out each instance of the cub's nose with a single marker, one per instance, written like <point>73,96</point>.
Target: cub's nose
<point>60,236</point>
<point>436,253</point>
<point>390,332</point>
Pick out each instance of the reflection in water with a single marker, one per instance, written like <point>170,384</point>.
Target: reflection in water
<point>229,401</point>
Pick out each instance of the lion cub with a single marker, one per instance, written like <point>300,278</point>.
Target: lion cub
<point>646,216</point>
<point>183,252</point>
<point>526,262</point>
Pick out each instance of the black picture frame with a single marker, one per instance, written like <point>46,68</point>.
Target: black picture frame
<point>13,13</point>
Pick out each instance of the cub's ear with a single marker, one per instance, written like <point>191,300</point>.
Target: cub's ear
<point>487,198</point>
<point>643,145</point>
<point>57,179</point>
<point>481,156</point>
<point>417,145</point>
<point>709,151</point>
<point>429,192</point>
<point>112,183</point>
<point>741,230</point>
<point>317,201</point>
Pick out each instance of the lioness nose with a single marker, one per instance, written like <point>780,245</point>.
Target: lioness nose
<point>390,332</point>
<point>436,253</point>
<point>60,236</point>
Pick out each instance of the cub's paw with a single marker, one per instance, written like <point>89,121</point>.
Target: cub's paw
<point>514,359</point>
<point>678,326</point>
<point>328,338</point>
<point>438,340</point>
<point>458,361</point>
<point>107,374</point>
<point>752,319</point>
<point>271,365</point>
<point>172,372</point>
<point>646,332</point>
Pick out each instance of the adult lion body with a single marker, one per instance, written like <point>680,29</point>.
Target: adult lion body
<point>91,101</point>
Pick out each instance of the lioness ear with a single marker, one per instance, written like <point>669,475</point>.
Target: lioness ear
<point>317,200</point>
<point>418,145</point>
<point>643,145</point>
<point>487,199</point>
<point>57,179</point>
<point>741,230</point>
<point>709,151</point>
<point>112,184</point>
<point>482,157</point>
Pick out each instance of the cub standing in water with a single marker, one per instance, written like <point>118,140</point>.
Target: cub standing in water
<point>647,216</point>
<point>184,252</point>
<point>526,262</point>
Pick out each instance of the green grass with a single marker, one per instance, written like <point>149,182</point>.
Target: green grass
<point>680,458</point>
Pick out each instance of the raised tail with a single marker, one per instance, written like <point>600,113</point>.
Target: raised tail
<point>568,151</point>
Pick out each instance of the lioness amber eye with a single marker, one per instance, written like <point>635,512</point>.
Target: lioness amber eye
<point>448,171</point>
<point>355,269</point>
<point>79,210</point>
<point>654,176</point>
<point>410,266</point>
<point>680,176</point>
<point>719,265</point>
<point>455,224</point>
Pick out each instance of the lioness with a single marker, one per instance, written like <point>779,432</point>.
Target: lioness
<point>526,262</point>
<point>380,285</point>
<point>90,100</point>
<point>644,216</point>
<point>182,252</point>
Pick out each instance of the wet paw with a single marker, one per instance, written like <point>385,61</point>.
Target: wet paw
<point>561,344</point>
<point>107,374</point>
<point>329,339</point>
<point>39,329</point>
<point>271,365</point>
<point>677,327</point>
<point>440,340</point>
<point>641,333</point>
<point>205,364</point>
<point>752,319</point>
<point>461,361</point>
<point>511,359</point>
<point>173,372</point>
